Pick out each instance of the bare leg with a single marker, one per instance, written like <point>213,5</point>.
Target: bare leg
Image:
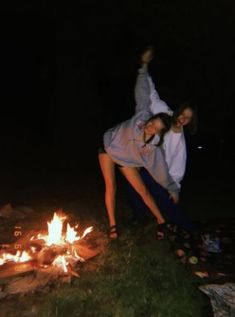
<point>108,170</point>
<point>133,176</point>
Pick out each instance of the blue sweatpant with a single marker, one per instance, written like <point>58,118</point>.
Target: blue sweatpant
<point>171,211</point>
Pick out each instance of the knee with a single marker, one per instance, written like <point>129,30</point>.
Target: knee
<point>111,189</point>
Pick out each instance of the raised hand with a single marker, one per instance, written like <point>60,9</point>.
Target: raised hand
<point>174,197</point>
<point>147,55</point>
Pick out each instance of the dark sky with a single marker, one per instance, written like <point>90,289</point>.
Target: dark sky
<point>68,72</point>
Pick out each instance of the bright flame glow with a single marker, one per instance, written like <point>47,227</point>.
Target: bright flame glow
<point>71,234</point>
<point>88,230</point>
<point>54,236</point>
<point>18,257</point>
<point>60,262</point>
<point>55,232</point>
<point>55,228</point>
<point>24,257</point>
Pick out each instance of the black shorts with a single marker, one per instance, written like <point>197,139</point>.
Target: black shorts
<point>101,149</point>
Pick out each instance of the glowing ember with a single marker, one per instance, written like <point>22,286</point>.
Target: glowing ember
<point>77,256</point>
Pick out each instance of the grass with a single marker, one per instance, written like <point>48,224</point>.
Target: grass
<point>139,276</point>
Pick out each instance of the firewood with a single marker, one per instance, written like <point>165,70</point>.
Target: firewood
<point>48,254</point>
<point>12,269</point>
<point>36,281</point>
<point>85,252</point>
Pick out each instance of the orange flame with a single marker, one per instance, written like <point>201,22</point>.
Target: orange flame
<point>60,262</point>
<point>71,234</point>
<point>55,236</point>
<point>55,232</point>
<point>18,257</point>
<point>55,228</point>
<point>88,230</point>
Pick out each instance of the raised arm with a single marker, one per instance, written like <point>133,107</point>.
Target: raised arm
<point>142,90</point>
<point>146,95</point>
<point>156,104</point>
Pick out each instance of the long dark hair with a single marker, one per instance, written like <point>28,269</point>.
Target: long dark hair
<point>192,126</point>
<point>166,120</point>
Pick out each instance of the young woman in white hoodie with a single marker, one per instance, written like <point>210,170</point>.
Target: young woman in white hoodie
<point>174,149</point>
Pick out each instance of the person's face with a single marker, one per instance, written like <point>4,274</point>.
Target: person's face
<point>154,127</point>
<point>185,117</point>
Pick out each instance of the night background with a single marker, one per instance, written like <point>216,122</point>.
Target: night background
<point>68,73</point>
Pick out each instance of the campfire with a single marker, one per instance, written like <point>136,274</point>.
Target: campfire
<point>48,256</point>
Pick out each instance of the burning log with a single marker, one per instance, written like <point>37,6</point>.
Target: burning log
<point>48,254</point>
<point>85,252</point>
<point>12,269</point>
<point>43,259</point>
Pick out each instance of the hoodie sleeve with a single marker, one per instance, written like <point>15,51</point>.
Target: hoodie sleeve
<point>157,105</point>
<point>157,167</point>
<point>142,91</point>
